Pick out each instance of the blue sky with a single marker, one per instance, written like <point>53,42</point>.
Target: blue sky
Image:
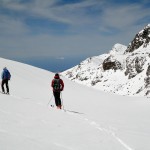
<point>35,31</point>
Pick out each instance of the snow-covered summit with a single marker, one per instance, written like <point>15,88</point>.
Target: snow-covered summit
<point>124,70</point>
<point>118,49</point>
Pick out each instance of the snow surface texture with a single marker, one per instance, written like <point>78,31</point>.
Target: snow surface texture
<point>124,70</point>
<point>91,119</point>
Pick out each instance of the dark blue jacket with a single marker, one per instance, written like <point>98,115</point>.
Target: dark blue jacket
<point>5,74</point>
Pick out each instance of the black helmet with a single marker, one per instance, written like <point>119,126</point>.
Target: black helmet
<point>57,74</point>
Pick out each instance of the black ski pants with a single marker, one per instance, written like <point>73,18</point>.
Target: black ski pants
<point>57,98</point>
<point>5,82</point>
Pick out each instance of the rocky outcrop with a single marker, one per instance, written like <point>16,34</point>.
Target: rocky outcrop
<point>110,63</point>
<point>147,81</point>
<point>134,65</point>
<point>140,39</point>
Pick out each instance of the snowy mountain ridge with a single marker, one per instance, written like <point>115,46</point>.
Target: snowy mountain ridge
<point>124,70</point>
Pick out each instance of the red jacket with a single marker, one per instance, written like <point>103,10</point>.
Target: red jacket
<point>61,83</point>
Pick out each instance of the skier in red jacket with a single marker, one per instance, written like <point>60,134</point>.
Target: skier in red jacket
<point>58,86</point>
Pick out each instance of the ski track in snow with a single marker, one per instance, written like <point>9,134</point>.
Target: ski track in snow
<point>25,98</point>
<point>97,126</point>
<point>63,146</point>
<point>18,97</point>
<point>110,132</point>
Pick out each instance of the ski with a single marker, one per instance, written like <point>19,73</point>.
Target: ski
<point>4,93</point>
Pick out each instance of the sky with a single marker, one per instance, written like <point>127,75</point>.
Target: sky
<point>57,34</point>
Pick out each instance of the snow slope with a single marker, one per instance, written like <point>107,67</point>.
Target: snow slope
<point>94,120</point>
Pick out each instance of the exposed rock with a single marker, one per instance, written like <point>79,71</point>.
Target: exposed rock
<point>142,38</point>
<point>147,82</point>
<point>134,65</point>
<point>110,63</point>
<point>148,71</point>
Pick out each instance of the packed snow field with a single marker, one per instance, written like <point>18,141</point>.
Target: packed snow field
<point>91,119</point>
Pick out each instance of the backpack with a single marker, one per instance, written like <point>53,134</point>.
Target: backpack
<point>56,85</point>
<point>6,75</point>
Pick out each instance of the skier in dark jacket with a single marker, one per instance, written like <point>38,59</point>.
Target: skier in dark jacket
<point>58,86</point>
<point>5,77</point>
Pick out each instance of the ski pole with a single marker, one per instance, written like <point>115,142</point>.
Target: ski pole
<point>50,100</point>
<point>62,101</point>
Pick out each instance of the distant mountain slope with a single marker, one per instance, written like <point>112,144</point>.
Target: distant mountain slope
<point>124,70</point>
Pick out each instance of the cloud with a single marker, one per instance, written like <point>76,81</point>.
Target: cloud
<point>35,28</point>
<point>89,12</point>
<point>60,58</point>
<point>67,13</point>
<point>11,26</point>
<point>124,16</point>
